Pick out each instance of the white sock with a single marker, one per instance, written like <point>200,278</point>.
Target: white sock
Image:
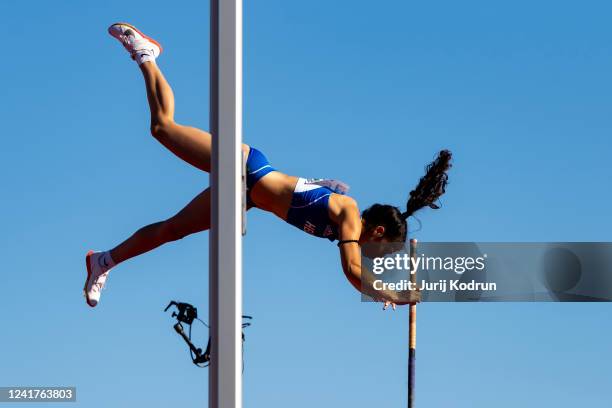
<point>144,56</point>
<point>106,261</point>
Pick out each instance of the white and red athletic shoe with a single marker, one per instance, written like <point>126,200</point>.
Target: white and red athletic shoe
<point>141,47</point>
<point>97,273</point>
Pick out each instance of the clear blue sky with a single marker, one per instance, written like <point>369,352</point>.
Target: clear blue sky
<point>361,91</point>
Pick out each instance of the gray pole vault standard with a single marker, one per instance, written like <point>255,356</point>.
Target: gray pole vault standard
<point>225,291</point>
<point>412,328</point>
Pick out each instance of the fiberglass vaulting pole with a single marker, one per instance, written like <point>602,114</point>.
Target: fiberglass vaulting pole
<point>412,328</point>
<point>225,290</point>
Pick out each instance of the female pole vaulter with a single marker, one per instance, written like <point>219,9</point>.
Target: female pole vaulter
<point>317,206</point>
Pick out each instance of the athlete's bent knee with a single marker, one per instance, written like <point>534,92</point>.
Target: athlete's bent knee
<point>160,127</point>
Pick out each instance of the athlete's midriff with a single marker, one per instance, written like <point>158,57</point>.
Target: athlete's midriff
<point>274,193</point>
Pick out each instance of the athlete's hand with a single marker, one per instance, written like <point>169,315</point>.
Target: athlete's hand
<point>411,297</point>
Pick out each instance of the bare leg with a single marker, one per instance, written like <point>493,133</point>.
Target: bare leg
<point>195,217</point>
<point>188,143</point>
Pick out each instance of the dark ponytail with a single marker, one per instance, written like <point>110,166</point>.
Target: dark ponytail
<point>431,186</point>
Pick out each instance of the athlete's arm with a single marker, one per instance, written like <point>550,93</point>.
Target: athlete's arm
<point>345,213</point>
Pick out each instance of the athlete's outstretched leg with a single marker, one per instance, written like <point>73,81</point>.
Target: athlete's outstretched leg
<point>195,217</point>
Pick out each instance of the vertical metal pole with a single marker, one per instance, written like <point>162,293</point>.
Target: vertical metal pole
<point>412,328</point>
<point>225,291</point>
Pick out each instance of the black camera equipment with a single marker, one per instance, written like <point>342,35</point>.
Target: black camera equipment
<point>187,314</point>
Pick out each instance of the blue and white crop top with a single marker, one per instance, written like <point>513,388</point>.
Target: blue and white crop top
<point>309,205</point>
